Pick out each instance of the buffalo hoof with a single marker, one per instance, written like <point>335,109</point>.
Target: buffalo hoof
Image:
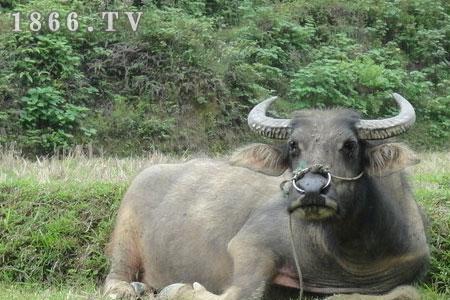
<point>139,288</point>
<point>176,291</point>
<point>180,291</point>
<point>120,290</point>
<point>117,289</point>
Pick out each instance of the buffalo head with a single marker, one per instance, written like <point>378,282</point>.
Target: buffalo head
<point>333,153</point>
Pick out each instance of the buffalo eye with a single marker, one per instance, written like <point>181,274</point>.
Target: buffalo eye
<point>349,147</point>
<point>293,147</point>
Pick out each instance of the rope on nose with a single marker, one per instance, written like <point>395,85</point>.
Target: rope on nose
<point>348,178</point>
<point>323,170</point>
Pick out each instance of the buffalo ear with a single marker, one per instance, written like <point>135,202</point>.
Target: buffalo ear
<point>389,158</point>
<point>267,159</point>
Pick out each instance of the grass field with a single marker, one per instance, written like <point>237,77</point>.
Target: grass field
<point>56,214</point>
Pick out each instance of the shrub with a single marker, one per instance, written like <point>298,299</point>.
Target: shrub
<point>198,61</point>
<point>48,121</point>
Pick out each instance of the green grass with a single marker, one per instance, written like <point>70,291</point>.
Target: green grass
<point>431,182</point>
<point>38,292</point>
<point>56,216</point>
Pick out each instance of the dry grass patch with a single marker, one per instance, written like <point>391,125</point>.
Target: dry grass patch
<point>77,166</point>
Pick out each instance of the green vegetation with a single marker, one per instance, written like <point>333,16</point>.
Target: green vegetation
<point>38,292</point>
<point>186,79</point>
<point>183,83</point>
<point>53,233</point>
<point>55,223</point>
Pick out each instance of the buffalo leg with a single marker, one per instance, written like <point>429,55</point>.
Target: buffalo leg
<point>125,264</point>
<point>253,268</point>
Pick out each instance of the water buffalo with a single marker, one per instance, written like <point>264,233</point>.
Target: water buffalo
<point>356,228</point>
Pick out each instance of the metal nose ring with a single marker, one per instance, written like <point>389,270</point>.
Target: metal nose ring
<point>302,191</point>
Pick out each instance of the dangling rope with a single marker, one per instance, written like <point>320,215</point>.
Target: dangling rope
<point>297,265</point>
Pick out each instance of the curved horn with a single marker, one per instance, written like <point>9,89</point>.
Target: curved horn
<point>267,126</point>
<point>385,128</point>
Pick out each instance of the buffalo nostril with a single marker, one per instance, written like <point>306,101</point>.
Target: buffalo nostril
<point>313,183</point>
<point>325,190</point>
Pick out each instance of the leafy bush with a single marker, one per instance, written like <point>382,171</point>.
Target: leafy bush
<point>49,121</point>
<point>41,59</point>
<point>43,86</point>
<point>349,78</point>
<point>205,63</point>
